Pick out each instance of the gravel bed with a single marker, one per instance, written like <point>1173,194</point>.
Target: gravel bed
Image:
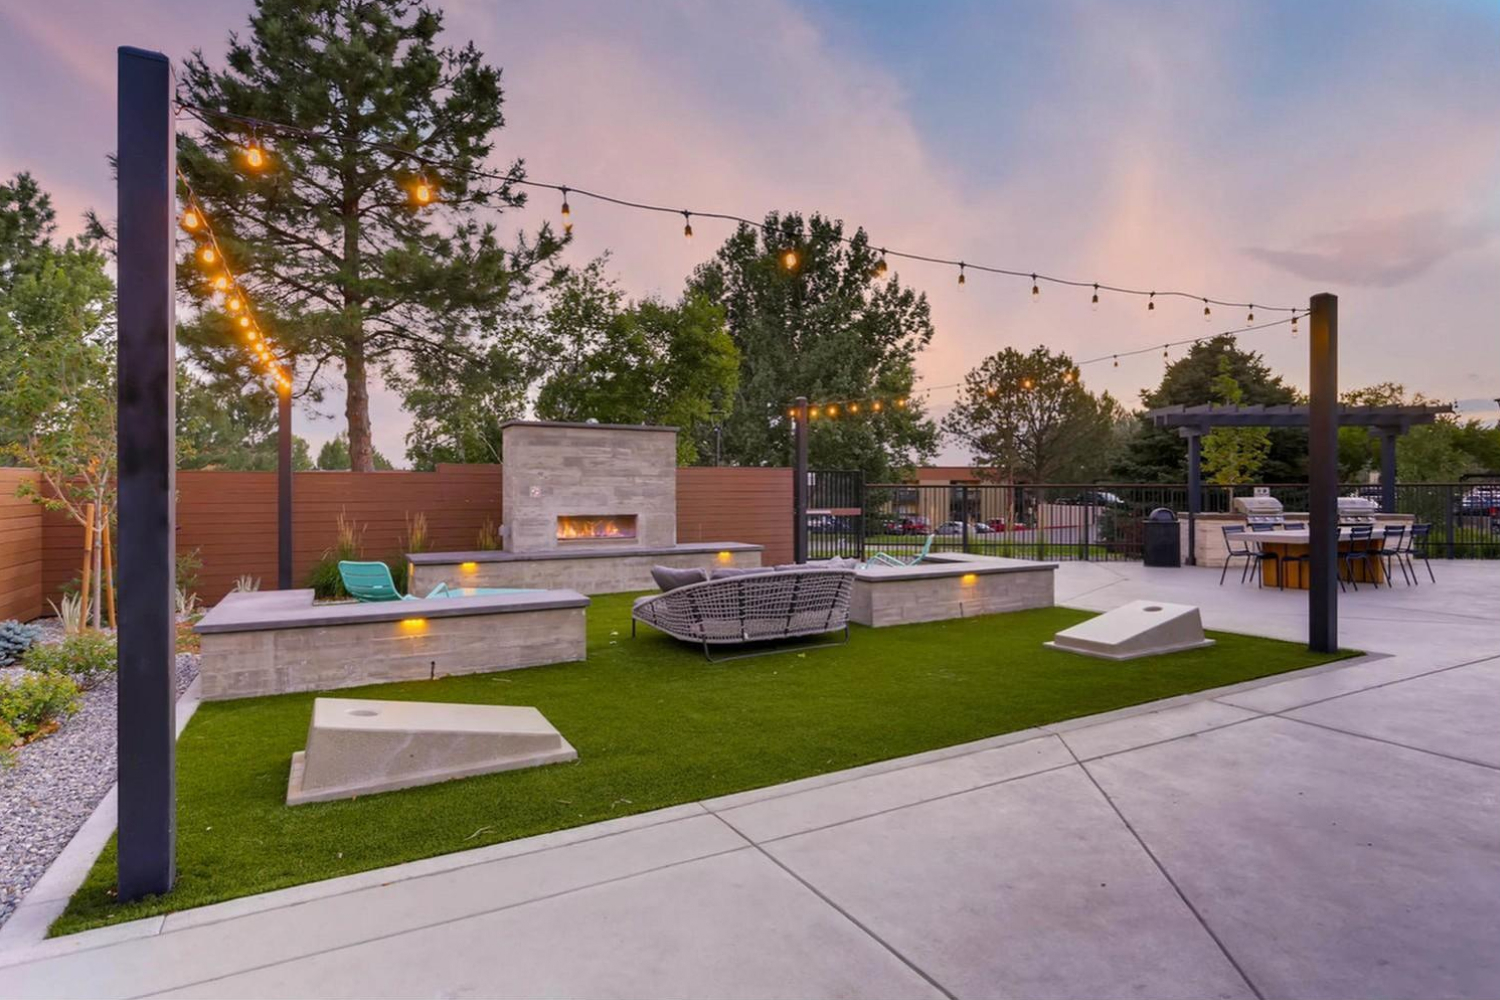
<point>57,781</point>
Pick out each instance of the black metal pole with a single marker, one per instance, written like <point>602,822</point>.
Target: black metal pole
<point>1323,475</point>
<point>799,483</point>
<point>147,723</point>
<point>1195,491</point>
<point>1388,469</point>
<point>283,488</point>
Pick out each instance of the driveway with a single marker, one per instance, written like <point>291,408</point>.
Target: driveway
<point>1335,833</point>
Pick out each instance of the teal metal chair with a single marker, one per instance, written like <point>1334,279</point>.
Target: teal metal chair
<point>371,581</point>
<point>886,559</point>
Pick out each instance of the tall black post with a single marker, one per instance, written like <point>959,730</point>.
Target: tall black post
<point>283,488</point>
<point>147,725</point>
<point>1195,490</point>
<point>799,483</point>
<point>1388,469</point>
<point>1323,475</point>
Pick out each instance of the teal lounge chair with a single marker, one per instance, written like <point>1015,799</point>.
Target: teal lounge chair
<point>886,559</point>
<point>371,581</point>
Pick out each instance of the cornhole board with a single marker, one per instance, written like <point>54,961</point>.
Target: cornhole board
<point>1140,628</point>
<point>359,747</point>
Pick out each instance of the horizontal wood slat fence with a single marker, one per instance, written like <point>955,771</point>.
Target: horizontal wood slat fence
<point>230,517</point>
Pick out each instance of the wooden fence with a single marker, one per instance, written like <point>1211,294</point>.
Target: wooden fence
<point>230,519</point>
<point>20,549</point>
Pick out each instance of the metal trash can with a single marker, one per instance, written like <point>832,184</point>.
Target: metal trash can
<point>1163,541</point>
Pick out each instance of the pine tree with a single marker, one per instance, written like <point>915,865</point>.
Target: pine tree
<point>343,266</point>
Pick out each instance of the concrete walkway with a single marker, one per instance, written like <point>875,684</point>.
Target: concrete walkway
<point>1332,834</point>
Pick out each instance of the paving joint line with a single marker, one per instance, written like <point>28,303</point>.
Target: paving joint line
<point>1373,687</point>
<point>1393,743</point>
<point>913,966</point>
<point>438,923</point>
<point>1202,921</point>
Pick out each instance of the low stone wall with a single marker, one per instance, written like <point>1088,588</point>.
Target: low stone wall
<point>279,641</point>
<point>949,586</point>
<point>588,572</point>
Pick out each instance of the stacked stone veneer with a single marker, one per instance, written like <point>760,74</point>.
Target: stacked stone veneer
<point>557,470</point>
<point>956,587</point>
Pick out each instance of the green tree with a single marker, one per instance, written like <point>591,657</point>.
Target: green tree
<point>1233,455</point>
<point>636,363</point>
<point>57,366</point>
<point>1028,418</point>
<point>232,431</point>
<point>829,328</point>
<point>334,456</point>
<point>344,269</point>
<point>1155,455</point>
<point>458,405</point>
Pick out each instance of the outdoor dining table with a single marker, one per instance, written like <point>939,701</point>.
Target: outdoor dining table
<point>1288,544</point>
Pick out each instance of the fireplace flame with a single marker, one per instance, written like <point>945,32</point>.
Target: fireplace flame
<point>571,528</point>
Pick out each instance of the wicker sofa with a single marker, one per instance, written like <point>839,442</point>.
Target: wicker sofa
<point>730,611</point>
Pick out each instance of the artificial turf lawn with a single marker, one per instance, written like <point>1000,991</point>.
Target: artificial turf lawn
<point>654,725</point>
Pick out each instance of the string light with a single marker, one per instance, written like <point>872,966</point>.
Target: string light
<point>880,265</point>
<point>789,260</point>
<point>258,125</point>
<point>687,226</point>
<point>1151,303</point>
<point>1117,360</point>
<point>1094,303</point>
<point>1027,384</point>
<point>1036,290</point>
<point>208,255</point>
<point>1250,316</point>
<point>422,192</point>
<point>875,406</point>
<point>234,304</point>
<point>831,411</point>
<point>191,221</point>
<point>255,157</point>
<point>221,283</point>
<point>853,407</point>
<point>1207,312</point>
<point>1164,353</point>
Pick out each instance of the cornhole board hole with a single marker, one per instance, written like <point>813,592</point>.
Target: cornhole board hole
<point>358,747</point>
<point>1140,628</point>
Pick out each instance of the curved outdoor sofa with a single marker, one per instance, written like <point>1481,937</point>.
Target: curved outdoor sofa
<point>779,604</point>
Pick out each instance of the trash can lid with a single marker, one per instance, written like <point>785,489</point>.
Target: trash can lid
<point>1162,514</point>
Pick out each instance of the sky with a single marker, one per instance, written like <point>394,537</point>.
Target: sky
<point>1246,151</point>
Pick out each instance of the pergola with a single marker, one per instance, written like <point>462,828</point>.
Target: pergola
<point>1192,422</point>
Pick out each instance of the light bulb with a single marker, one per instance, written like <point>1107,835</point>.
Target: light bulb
<point>901,403</point>
<point>1207,312</point>
<point>812,413</point>
<point>833,411</point>
<point>234,303</point>
<point>1094,303</point>
<point>876,406</point>
<point>1117,360</point>
<point>1026,383</point>
<point>960,274</point>
<point>853,407</point>
<point>1164,354</point>
<point>207,255</point>
<point>254,156</point>
<point>244,322</point>
<point>789,260</point>
<point>1069,375</point>
<point>880,265</point>
<point>221,283</point>
<point>1036,290</point>
<point>1250,316</point>
<point>422,193</point>
<point>191,220</point>
<point>687,227</point>
<point>567,213</point>
<point>1151,303</point>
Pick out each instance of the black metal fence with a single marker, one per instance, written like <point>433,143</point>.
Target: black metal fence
<point>1096,521</point>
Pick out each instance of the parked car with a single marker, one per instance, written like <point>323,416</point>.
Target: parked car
<point>1480,501</point>
<point>916,526</point>
<point>1092,498</point>
<point>951,528</point>
<point>996,524</point>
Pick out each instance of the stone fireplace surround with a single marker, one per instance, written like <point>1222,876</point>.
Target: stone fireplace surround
<point>557,470</point>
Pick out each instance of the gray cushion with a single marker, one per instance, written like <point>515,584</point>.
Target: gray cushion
<point>724,572</point>
<point>837,562</point>
<point>668,578</point>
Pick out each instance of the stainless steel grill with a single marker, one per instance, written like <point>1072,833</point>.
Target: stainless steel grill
<point>1259,510</point>
<point>1357,510</point>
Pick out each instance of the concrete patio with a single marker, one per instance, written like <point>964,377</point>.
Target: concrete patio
<point>1332,833</point>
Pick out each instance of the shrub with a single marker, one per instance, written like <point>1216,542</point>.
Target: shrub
<point>15,639</point>
<point>8,739</point>
<point>488,539</point>
<point>86,657</point>
<point>69,612</point>
<point>324,578</point>
<point>246,584</point>
<point>30,704</point>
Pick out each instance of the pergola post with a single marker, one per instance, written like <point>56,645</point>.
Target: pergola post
<point>1323,475</point>
<point>799,483</point>
<point>1194,437</point>
<point>283,487</point>
<point>146,372</point>
<point>1388,437</point>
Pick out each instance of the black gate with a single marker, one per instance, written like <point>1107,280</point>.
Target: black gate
<point>835,514</point>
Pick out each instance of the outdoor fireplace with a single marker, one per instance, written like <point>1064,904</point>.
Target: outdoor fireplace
<point>595,527</point>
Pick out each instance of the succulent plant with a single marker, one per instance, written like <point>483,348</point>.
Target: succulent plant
<point>15,639</point>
